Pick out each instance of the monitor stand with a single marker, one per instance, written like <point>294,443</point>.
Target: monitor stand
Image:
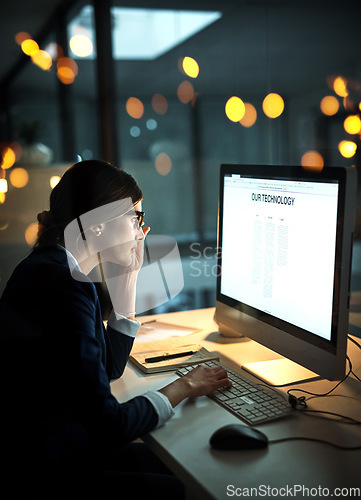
<point>279,372</point>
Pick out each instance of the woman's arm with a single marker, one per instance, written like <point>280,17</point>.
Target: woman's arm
<point>199,382</point>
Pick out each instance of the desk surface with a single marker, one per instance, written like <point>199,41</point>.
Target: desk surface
<point>183,443</point>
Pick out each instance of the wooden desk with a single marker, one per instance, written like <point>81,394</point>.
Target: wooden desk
<point>183,443</point>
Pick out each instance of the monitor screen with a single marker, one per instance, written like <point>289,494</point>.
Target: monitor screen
<point>284,243</point>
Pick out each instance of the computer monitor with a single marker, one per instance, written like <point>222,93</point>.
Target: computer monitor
<point>284,263</point>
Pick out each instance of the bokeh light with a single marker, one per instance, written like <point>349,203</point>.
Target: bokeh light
<point>67,70</point>
<point>42,59</point>
<point>273,105</point>
<point>134,107</point>
<point>163,164</point>
<point>152,124</point>
<point>250,115</point>
<point>8,158</point>
<point>54,180</point>
<point>54,50</point>
<point>31,233</point>
<point>29,47</point>
<point>2,198</point>
<point>329,105</point>
<point>312,160</point>
<point>190,67</point>
<point>347,148</point>
<point>352,124</point>
<point>340,86</point>
<point>19,177</point>
<point>135,131</point>
<point>3,186</point>
<point>185,92</point>
<point>81,45</point>
<point>159,104</point>
<point>235,109</point>
<point>21,37</point>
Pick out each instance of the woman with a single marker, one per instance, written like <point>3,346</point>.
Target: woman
<point>62,429</point>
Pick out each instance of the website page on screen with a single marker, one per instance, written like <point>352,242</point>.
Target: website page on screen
<point>278,248</point>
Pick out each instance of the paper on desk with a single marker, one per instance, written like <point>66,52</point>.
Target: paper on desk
<point>158,330</point>
<point>199,355</point>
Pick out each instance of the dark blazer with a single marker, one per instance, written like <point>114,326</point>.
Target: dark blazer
<point>56,363</point>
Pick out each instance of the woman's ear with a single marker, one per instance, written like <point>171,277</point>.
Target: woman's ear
<point>97,230</point>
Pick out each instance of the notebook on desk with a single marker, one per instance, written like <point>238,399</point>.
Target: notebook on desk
<point>170,354</point>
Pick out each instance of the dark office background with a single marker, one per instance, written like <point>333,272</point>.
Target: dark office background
<point>303,51</point>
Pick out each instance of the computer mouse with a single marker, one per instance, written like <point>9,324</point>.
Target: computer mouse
<point>238,437</point>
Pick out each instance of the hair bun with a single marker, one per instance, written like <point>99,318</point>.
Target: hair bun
<point>45,218</point>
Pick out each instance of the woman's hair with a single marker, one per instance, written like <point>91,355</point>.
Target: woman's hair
<point>84,186</point>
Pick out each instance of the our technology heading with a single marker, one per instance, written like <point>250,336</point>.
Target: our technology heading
<point>272,198</point>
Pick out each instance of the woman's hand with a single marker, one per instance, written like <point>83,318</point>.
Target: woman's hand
<point>199,382</point>
<point>139,251</point>
<point>122,288</point>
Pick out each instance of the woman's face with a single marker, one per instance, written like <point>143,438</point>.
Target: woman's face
<point>122,239</point>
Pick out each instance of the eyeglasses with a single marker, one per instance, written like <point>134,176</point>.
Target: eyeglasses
<point>140,217</point>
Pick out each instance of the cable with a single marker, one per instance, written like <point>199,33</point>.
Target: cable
<point>343,419</point>
<point>300,404</point>
<point>351,448</point>
<point>354,341</point>
<point>359,346</point>
<point>314,395</point>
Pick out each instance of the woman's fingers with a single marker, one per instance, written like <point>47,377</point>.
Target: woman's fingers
<point>204,380</point>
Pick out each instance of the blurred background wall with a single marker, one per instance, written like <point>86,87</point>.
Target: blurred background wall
<point>144,84</point>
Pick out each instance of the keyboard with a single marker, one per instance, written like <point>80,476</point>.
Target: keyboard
<point>246,399</point>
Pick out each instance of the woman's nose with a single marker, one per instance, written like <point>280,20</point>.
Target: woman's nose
<point>139,235</point>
